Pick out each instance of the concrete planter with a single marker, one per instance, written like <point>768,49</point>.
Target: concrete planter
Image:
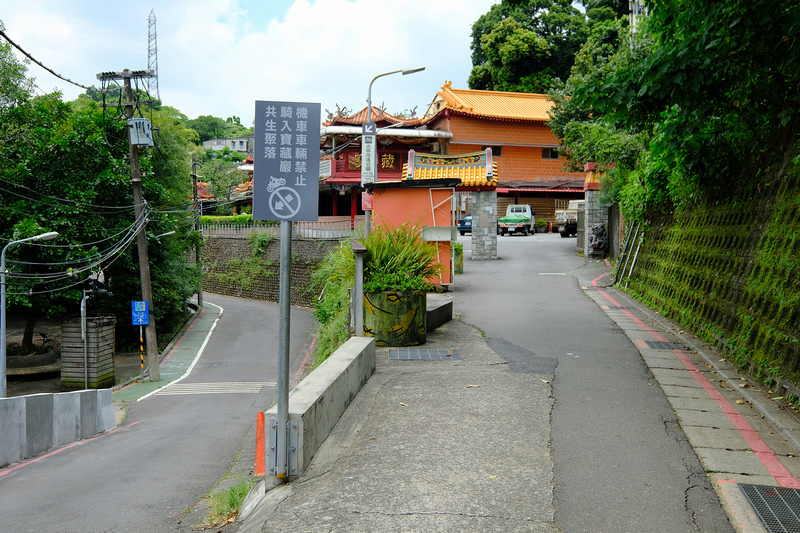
<point>396,318</point>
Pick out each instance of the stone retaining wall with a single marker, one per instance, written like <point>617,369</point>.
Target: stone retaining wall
<point>231,268</point>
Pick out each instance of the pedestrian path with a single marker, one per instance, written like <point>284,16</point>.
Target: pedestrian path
<point>179,361</point>
<point>442,445</point>
<point>740,433</point>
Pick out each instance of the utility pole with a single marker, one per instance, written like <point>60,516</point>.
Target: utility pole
<point>138,201</point>
<point>198,211</point>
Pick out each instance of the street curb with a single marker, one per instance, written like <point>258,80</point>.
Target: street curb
<point>768,408</point>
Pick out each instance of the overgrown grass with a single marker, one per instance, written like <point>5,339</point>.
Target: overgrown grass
<point>224,506</point>
<point>334,277</point>
<point>245,273</point>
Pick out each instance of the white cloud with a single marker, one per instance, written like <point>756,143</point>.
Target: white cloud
<point>218,57</point>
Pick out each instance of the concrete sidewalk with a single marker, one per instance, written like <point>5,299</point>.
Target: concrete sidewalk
<point>463,444</point>
<point>418,450</point>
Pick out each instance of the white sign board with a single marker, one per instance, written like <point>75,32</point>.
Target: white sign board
<point>369,153</point>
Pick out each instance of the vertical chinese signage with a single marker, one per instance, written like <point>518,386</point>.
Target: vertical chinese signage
<point>286,161</point>
<point>369,153</point>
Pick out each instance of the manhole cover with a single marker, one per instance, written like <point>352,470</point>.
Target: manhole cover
<point>423,354</point>
<point>659,345</point>
<point>777,507</point>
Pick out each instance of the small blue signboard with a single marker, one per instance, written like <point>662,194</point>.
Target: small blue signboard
<point>140,313</point>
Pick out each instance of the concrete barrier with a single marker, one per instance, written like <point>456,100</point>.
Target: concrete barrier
<point>439,310</point>
<point>30,425</point>
<point>320,400</point>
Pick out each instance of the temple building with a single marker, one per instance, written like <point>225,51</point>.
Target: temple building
<point>513,125</point>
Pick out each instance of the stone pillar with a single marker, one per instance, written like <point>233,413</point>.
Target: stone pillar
<point>594,214</point>
<point>484,225</point>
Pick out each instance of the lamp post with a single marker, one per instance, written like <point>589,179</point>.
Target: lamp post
<point>41,237</point>
<point>369,134</point>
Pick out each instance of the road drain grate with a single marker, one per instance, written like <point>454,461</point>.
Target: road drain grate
<point>423,354</point>
<point>659,345</point>
<point>777,507</point>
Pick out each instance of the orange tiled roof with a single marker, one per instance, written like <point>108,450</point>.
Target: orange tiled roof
<point>470,168</point>
<point>378,115</point>
<point>492,104</point>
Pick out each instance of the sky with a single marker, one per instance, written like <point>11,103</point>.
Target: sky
<point>217,57</point>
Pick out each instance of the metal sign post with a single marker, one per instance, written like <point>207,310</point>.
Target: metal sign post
<point>140,316</point>
<point>285,188</point>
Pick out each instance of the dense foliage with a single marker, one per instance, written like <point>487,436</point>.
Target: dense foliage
<point>702,101</point>
<point>397,259</point>
<point>524,46</point>
<point>64,168</point>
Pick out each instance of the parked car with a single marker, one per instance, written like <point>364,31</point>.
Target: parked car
<point>465,225</point>
<point>519,219</point>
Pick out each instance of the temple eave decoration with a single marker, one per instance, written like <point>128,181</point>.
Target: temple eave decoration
<point>475,169</point>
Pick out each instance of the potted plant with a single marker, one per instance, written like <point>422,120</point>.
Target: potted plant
<point>458,257</point>
<point>541,226</point>
<point>398,265</point>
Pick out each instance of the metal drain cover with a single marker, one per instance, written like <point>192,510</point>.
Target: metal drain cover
<point>777,507</point>
<point>658,345</point>
<point>423,354</point>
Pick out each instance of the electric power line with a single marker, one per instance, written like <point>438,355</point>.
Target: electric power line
<point>51,71</point>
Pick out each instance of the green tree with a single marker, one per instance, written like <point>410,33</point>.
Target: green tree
<point>209,127</point>
<point>63,167</point>
<point>223,176</point>
<point>14,85</point>
<point>525,45</point>
<point>718,87</point>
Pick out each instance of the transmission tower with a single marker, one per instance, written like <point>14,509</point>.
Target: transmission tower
<point>152,55</point>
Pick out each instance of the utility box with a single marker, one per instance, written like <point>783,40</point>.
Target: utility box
<point>97,352</point>
<point>141,131</point>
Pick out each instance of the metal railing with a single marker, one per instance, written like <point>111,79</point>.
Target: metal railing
<point>321,229</point>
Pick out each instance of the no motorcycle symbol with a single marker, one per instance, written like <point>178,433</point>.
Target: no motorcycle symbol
<point>284,202</point>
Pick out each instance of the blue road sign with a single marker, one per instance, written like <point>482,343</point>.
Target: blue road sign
<point>140,312</point>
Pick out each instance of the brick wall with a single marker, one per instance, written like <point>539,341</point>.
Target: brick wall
<point>516,162</point>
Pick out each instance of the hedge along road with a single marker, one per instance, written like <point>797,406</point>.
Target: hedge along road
<point>622,463</point>
<point>173,447</point>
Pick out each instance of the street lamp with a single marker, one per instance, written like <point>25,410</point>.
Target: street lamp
<point>404,71</point>
<point>369,150</point>
<point>42,237</point>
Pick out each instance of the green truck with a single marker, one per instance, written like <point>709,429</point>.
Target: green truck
<point>518,219</point>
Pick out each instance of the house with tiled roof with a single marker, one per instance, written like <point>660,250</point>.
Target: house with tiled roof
<point>340,162</point>
<point>514,126</point>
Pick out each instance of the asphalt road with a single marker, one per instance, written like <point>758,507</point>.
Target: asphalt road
<point>171,449</point>
<point>622,463</point>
